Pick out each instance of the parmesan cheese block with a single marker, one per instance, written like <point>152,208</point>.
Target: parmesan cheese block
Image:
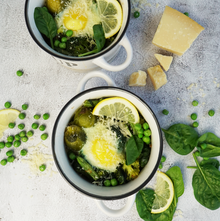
<point>138,79</point>
<point>176,31</point>
<point>157,76</point>
<point>165,61</point>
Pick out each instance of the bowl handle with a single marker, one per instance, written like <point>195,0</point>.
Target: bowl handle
<point>101,62</point>
<point>93,74</point>
<point>119,212</point>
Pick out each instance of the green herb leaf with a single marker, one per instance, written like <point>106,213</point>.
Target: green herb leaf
<point>181,138</point>
<point>45,23</point>
<point>212,162</point>
<point>133,149</point>
<point>213,145</point>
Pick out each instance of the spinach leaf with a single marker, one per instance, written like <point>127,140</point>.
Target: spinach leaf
<point>213,145</point>
<point>176,176</point>
<point>206,185</point>
<point>181,138</point>
<point>45,23</point>
<point>145,155</point>
<point>99,37</point>
<point>133,149</point>
<point>212,162</point>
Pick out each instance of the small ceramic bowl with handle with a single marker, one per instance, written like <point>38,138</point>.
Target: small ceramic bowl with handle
<point>100,193</point>
<point>87,63</point>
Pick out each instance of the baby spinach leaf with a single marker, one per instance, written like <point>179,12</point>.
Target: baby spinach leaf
<point>213,145</point>
<point>176,176</point>
<point>212,162</point>
<point>206,185</point>
<point>45,23</point>
<point>181,138</point>
<point>133,149</point>
<point>99,37</point>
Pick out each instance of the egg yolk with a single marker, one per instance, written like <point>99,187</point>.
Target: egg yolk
<point>75,20</point>
<point>104,152</point>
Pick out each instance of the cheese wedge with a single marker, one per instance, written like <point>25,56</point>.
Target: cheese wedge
<point>165,61</point>
<point>157,76</point>
<point>176,31</point>
<point>138,78</point>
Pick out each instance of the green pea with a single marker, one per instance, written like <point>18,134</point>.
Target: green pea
<point>141,131</point>
<point>114,182</point>
<point>17,137</point>
<point>37,116</point>
<point>195,124</point>
<point>69,33</point>
<point>23,152</point>
<point>42,127</point>
<point>42,167</point>
<point>72,156</point>
<point>44,136</point>
<point>193,116</point>
<point>56,43</point>
<point>137,126</point>
<point>203,145</point>
<point>136,14</point>
<point>46,116</point>
<point>21,126</point>
<point>147,133</point>
<point>107,183</point>
<point>10,159</point>
<point>7,104</point>
<point>186,13</point>
<point>211,113</point>
<point>19,73</point>
<point>10,138</point>
<point>195,103</point>
<point>165,112</point>
<point>9,153</point>
<point>146,140</point>
<point>22,116</point>
<point>140,135</point>
<point>30,133</point>
<point>24,139</point>
<point>8,144</point>
<point>160,166</point>
<point>17,143</point>
<point>64,39</point>
<point>145,126</point>
<point>163,159</point>
<point>24,106</point>
<point>35,126</point>
<point>2,145</point>
<point>4,162</point>
<point>11,125</point>
<point>62,45</point>
<point>22,133</point>
<point>197,154</point>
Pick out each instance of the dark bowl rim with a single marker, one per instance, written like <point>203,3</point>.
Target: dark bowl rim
<point>71,58</point>
<point>77,187</point>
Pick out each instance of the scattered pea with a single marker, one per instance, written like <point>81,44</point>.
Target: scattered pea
<point>137,126</point>
<point>46,116</point>
<point>10,159</point>
<point>203,145</point>
<point>24,106</point>
<point>64,39</point>
<point>24,139</point>
<point>165,112</point>
<point>62,45</point>
<point>195,103</point>
<point>42,127</point>
<point>163,159</point>
<point>69,33</point>
<point>9,153</point>
<point>193,116</point>
<point>72,156</point>
<point>11,125</point>
<point>37,116</point>
<point>107,183</point>
<point>22,133</point>
<point>147,133</point>
<point>146,140</point>
<point>7,104</point>
<point>4,162</point>
<point>140,135</point>
<point>114,182</point>
<point>23,152</point>
<point>44,136</point>
<point>10,138</point>
<point>8,144</point>
<point>35,126</point>
<point>195,124</point>
<point>160,166</point>
<point>136,14</point>
<point>42,167</point>
<point>2,145</point>
<point>186,13</point>
<point>19,73</point>
<point>21,126</point>
<point>145,126</point>
<point>30,133</point>
<point>17,137</point>
<point>17,143</point>
<point>211,113</point>
<point>22,116</point>
<point>56,43</point>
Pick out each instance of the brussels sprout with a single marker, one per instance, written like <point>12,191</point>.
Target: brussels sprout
<point>74,137</point>
<point>84,118</point>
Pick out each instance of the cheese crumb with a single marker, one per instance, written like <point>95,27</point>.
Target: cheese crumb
<point>165,61</point>
<point>138,78</point>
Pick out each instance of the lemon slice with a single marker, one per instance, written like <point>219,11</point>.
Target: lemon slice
<point>117,108</point>
<point>7,116</point>
<point>111,16</point>
<point>164,193</point>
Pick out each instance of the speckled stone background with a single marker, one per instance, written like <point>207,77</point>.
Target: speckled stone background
<point>46,86</point>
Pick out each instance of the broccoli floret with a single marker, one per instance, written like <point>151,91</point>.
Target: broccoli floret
<point>132,171</point>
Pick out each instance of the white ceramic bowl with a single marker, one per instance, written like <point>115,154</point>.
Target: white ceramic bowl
<point>60,157</point>
<point>88,63</point>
